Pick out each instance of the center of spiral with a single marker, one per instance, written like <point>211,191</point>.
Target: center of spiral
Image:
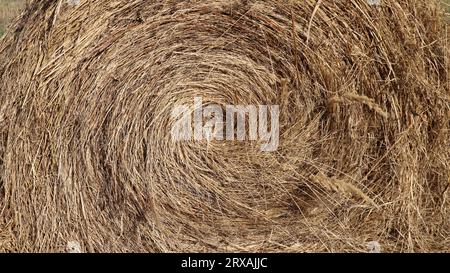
<point>227,123</point>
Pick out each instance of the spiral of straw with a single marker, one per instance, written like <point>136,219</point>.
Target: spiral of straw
<point>86,154</point>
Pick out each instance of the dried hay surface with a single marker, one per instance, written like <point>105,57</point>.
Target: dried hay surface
<point>86,153</point>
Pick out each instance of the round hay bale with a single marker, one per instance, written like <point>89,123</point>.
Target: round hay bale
<point>86,153</point>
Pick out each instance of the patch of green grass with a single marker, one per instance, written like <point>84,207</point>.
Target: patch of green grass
<point>447,5</point>
<point>8,10</point>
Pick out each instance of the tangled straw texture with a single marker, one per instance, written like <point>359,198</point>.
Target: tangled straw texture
<point>86,153</point>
